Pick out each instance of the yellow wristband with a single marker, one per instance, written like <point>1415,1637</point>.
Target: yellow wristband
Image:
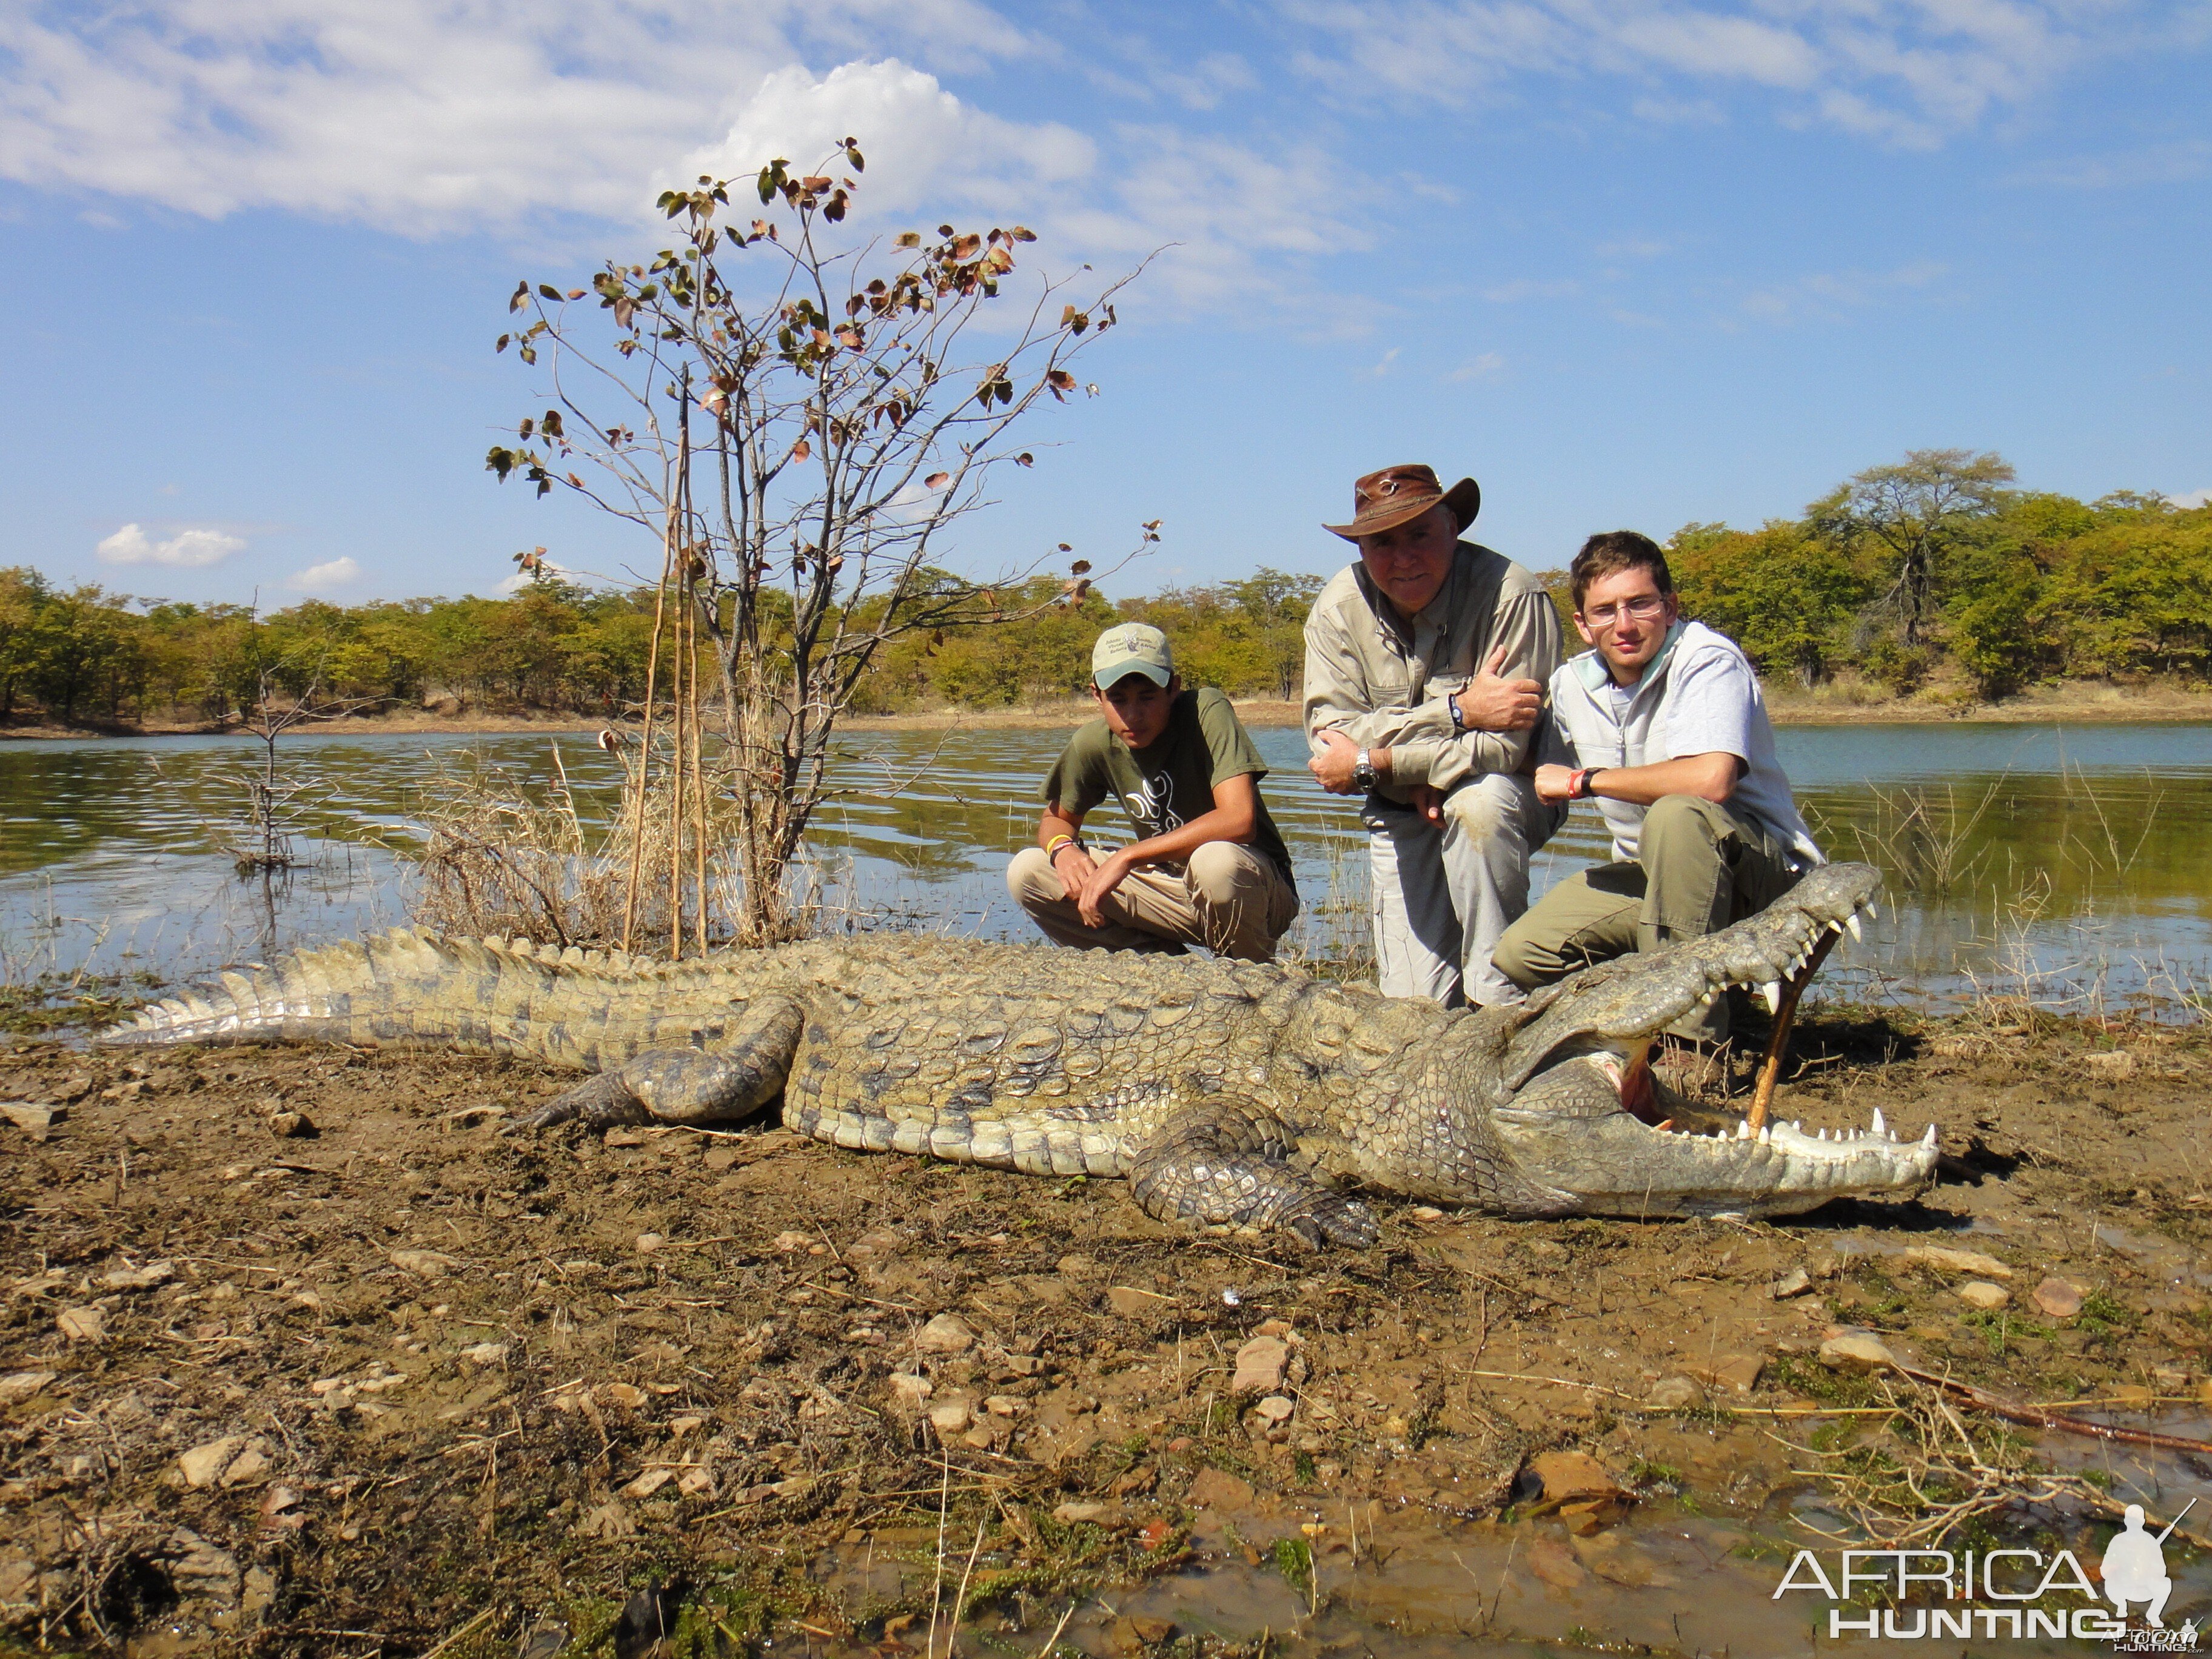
<point>1052,847</point>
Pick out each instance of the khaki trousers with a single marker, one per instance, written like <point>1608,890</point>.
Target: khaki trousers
<point>1444,894</point>
<point>1233,900</point>
<point>1702,866</point>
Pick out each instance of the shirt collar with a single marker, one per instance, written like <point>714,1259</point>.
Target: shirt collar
<point>1437,609</point>
<point>1590,667</point>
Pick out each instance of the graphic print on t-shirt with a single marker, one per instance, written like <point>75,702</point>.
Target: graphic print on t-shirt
<point>1155,804</point>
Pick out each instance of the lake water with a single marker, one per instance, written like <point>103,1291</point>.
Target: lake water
<point>2068,864</point>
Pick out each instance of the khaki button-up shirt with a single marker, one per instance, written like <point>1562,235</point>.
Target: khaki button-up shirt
<point>1381,680</point>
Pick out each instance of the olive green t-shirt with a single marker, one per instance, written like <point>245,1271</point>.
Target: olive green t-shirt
<point>1166,786</point>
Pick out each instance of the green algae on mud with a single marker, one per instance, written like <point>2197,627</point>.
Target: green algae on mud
<point>667,1364</point>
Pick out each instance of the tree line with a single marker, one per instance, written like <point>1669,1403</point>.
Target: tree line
<point>1932,568</point>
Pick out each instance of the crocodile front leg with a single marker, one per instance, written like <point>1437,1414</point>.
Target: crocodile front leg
<point>688,1085</point>
<point>1225,1164</point>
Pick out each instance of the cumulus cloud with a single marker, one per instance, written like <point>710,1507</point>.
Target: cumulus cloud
<point>1903,72</point>
<point>2194,498</point>
<point>186,550</point>
<point>318,578</point>
<point>418,115</point>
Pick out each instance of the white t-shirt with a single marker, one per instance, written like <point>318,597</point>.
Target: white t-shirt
<point>1699,696</point>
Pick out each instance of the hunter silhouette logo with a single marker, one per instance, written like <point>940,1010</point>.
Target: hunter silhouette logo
<point>2135,1565</point>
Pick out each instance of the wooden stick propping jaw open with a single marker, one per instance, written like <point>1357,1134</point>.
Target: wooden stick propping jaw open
<point>1778,1045</point>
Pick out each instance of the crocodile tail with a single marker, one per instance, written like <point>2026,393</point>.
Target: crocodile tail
<point>404,989</point>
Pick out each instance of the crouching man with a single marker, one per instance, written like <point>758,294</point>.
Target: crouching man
<point>1663,724</point>
<point>1207,868</point>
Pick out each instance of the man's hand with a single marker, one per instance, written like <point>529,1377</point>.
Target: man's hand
<point>1073,866</point>
<point>1429,801</point>
<point>1103,880</point>
<point>1332,767</point>
<point>1492,704</point>
<point>1553,783</point>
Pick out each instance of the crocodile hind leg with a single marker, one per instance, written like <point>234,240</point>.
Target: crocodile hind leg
<point>688,1085</point>
<point>1226,1163</point>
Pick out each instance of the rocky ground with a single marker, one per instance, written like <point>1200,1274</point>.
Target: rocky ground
<point>298,1355</point>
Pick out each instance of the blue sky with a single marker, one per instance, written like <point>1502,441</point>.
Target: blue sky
<point>1628,262</point>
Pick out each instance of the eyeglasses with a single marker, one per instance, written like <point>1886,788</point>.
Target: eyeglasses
<point>1648,607</point>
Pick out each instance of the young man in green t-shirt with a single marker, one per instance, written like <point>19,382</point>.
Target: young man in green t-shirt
<point>1207,868</point>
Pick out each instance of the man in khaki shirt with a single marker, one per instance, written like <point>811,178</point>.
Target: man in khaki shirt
<point>1425,665</point>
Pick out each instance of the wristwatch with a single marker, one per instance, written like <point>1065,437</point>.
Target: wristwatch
<point>1363,771</point>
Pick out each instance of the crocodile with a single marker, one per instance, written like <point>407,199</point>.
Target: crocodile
<point>1231,1095</point>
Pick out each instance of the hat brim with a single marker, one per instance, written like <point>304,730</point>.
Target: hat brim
<point>1464,498</point>
<point>1107,678</point>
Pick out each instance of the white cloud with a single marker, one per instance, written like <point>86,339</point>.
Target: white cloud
<point>1904,72</point>
<point>922,144</point>
<point>186,550</point>
<point>320,578</point>
<point>2156,164</point>
<point>2194,498</point>
<point>418,115</point>
<point>1488,367</point>
<point>1829,295</point>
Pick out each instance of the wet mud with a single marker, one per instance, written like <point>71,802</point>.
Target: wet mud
<point>300,1355</point>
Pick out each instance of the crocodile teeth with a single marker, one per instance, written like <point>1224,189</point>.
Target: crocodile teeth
<point>1929,1139</point>
<point>1771,992</point>
<point>1880,1127</point>
<point>1851,921</point>
<point>1872,913</point>
<point>1766,1135</point>
<point>1743,1130</point>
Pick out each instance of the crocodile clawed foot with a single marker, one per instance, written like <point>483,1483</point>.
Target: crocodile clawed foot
<point>600,1102</point>
<point>1334,1220</point>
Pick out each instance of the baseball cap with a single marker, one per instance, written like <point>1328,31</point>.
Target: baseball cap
<point>1131,649</point>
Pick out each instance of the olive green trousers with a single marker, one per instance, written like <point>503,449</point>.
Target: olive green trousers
<point>1700,866</point>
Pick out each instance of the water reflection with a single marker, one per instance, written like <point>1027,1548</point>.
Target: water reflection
<point>2066,862</point>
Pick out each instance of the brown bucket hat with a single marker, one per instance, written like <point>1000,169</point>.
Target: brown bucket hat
<point>1383,501</point>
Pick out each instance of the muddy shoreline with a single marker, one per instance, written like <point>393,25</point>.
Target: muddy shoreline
<point>370,1376</point>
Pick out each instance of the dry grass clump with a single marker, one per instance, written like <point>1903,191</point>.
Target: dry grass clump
<point>500,860</point>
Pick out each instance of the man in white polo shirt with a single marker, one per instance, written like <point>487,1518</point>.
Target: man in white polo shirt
<point>1662,723</point>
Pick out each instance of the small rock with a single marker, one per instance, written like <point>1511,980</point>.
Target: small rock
<point>1959,1261</point>
<point>625,1395</point>
<point>2118,1062</point>
<point>1076,1514</point>
<point>648,1242</point>
<point>82,1324</point>
<point>610,1520</point>
<point>648,1483</point>
<point>1006,1405</point>
<point>1796,1282</point>
<point>1739,1372</point>
<point>1135,1633</point>
<point>291,1126</point>
<point>70,1090</point>
<point>947,1333</point>
<point>19,1385</point>
<point>909,1393</point>
<point>1425,1212</point>
<point>1856,1351</point>
<point>19,1580</point>
<point>1675,1393</point>
<point>1260,1365</point>
<point>484,1353</point>
<point>619,1137</point>
<point>203,1465</point>
<point>1275,1410</point>
<point>1217,1489</point>
<point>34,1118</point>
<point>792,1244</point>
<point>249,1465</point>
<point>1133,1303</point>
<point>1980,1293</point>
<point>139,1278</point>
<point>423,1264</point>
<point>1571,1475</point>
<point>950,1417</point>
<point>2057,1298</point>
<point>1552,1561</point>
